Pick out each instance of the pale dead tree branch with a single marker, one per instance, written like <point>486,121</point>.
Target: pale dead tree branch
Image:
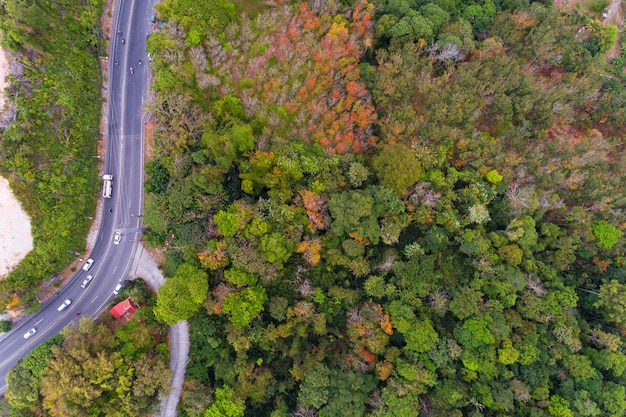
<point>478,405</point>
<point>377,403</point>
<point>176,33</point>
<point>535,285</point>
<point>354,316</point>
<point>446,53</point>
<point>198,58</point>
<point>388,264</point>
<point>306,289</point>
<point>438,300</point>
<point>302,411</point>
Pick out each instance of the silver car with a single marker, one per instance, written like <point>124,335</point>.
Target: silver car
<point>86,281</point>
<point>117,289</point>
<point>65,304</point>
<point>88,264</point>
<point>30,333</point>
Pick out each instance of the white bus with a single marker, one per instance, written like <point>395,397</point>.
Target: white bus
<point>108,185</point>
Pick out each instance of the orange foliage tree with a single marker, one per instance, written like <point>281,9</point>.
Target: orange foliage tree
<point>215,257</point>
<point>310,250</point>
<point>316,210</point>
<point>369,329</point>
<point>302,77</point>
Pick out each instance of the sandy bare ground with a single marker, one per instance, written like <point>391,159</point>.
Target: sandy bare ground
<point>16,239</point>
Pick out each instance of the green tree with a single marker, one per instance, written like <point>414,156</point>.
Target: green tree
<point>466,303</point>
<point>607,234</point>
<point>245,305</point>
<point>436,15</point>
<point>612,302</point>
<point>397,167</point>
<point>276,248</point>
<point>314,387</point>
<point>22,388</point>
<point>347,394</point>
<point>182,295</point>
<point>420,335</point>
<point>613,399</point>
<point>559,407</point>
<point>226,404</point>
<point>240,277</point>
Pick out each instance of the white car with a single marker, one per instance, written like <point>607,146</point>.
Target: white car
<point>117,238</point>
<point>65,304</point>
<point>86,281</point>
<point>117,289</point>
<point>30,333</point>
<point>88,264</point>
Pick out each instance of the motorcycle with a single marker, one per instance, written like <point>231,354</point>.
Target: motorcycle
<point>132,71</point>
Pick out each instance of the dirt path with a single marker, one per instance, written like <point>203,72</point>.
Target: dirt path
<point>146,268</point>
<point>614,14</point>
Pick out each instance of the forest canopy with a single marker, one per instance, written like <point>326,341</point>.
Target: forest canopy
<point>402,207</point>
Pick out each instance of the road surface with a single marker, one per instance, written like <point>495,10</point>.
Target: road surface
<point>121,212</point>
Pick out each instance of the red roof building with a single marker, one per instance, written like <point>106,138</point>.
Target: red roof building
<point>124,310</point>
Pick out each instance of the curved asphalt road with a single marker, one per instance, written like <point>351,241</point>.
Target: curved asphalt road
<point>123,159</point>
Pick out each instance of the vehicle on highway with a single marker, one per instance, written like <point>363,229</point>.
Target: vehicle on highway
<point>86,281</point>
<point>88,264</point>
<point>30,333</point>
<point>117,289</point>
<point>117,238</point>
<point>107,186</point>
<point>65,304</point>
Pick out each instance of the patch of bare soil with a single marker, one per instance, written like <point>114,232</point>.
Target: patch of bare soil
<point>16,239</point>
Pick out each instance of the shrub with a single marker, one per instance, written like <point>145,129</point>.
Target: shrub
<point>599,6</point>
<point>5,326</point>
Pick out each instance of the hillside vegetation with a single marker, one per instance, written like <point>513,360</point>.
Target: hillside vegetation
<point>47,152</point>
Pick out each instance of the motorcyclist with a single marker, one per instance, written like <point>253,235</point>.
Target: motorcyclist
<point>132,70</point>
<point>140,62</point>
<point>116,61</point>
